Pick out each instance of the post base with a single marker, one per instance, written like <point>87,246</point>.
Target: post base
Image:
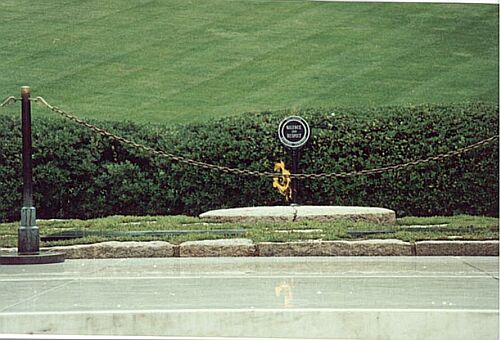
<point>28,240</point>
<point>28,235</point>
<point>38,258</point>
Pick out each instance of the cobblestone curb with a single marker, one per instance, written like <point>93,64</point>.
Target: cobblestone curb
<point>115,249</point>
<point>224,247</point>
<point>245,247</point>
<point>337,248</point>
<point>456,248</point>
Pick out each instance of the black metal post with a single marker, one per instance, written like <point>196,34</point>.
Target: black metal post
<point>28,234</point>
<point>295,153</point>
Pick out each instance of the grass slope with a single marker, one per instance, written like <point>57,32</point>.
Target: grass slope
<point>178,60</point>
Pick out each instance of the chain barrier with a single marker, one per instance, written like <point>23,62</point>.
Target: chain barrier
<point>146,148</point>
<point>225,169</point>
<point>9,100</point>
<point>397,167</point>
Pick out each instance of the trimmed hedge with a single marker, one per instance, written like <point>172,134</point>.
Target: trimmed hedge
<point>78,174</point>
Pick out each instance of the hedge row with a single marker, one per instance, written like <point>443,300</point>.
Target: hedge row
<point>78,174</point>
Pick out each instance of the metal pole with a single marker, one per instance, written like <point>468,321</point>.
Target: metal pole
<point>28,241</point>
<point>295,181</point>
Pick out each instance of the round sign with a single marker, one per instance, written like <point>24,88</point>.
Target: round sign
<point>294,132</point>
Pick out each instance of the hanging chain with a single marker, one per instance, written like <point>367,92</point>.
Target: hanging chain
<point>225,169</point>
<point>9,100</point>
<point>149,149</point>
<point>438,158</point>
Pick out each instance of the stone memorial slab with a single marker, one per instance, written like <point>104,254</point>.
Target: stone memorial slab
<point>302,212</point>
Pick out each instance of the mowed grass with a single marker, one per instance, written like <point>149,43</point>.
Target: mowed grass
<point>177,61</point>
<point>462,227</point>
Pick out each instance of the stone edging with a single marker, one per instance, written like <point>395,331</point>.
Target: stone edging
<point>245,247</point>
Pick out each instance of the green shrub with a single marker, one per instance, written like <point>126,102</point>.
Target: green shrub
<point>79,174</point>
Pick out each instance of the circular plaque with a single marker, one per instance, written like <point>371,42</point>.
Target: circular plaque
<point>294,132</point>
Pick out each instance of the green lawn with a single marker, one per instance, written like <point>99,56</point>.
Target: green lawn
<point>180,60</point>
<point>460,227</point>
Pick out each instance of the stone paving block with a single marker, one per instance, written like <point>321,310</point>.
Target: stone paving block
<point>457,248</point>
<point>223,247</point>
<point>115,249</point>
<point>304,248</point>
<point>8,251</point>
<point>376,247</point>
<point>336,248</point>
